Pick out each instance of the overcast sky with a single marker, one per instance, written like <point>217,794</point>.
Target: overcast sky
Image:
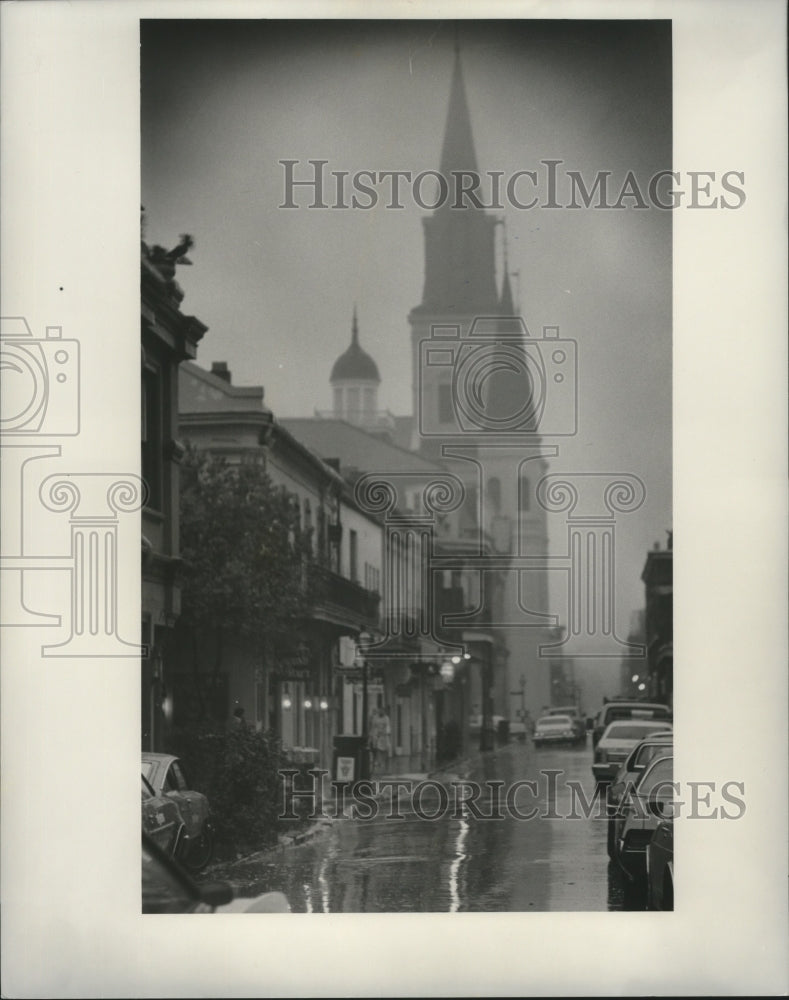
<point>223,102</point>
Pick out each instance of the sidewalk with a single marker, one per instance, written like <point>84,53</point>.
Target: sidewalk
<point>418,767</point>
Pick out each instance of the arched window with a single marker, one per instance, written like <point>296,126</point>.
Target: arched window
<point>352,404</point>
<point>494,494</point>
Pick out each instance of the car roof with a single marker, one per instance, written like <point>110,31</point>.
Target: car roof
<point>635,704</point>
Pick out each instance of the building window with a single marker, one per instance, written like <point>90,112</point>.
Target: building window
<point>337,401</point>
<point>353,539</point>
<point>369,402</point>
<point>446,413</point>
<point>524,493</point>
<point>352,395</point>
<point>152,435</point>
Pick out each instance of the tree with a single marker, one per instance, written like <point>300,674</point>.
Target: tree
<point>244,554</point>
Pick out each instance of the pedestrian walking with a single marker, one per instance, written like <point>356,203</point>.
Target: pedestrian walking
<point>380,739</point>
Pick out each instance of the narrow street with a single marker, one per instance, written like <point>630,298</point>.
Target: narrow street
<point>457,861</point>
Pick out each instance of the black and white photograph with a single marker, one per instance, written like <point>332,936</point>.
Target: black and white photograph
<point>432,406</point>
<point>453,338</point>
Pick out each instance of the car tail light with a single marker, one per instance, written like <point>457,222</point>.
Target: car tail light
<point>601,756</point>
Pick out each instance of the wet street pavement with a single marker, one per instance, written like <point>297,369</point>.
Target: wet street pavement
<point>399,861</point>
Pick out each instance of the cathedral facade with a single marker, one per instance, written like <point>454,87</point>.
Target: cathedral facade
<point>476,407</point>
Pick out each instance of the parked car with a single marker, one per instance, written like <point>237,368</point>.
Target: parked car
<point>554,729</point>
<point>660,862</point>
<point>575,714</point>
<point>168,888</point>
<point>161,819</point>
<point>659,744</point>
<point>518,731</point>
<point>165,774</point>
<point>641,811</point>
<point>618,741</point>
<point>625,709</point>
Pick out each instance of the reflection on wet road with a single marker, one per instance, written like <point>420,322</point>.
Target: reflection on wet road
<point>473,857</point>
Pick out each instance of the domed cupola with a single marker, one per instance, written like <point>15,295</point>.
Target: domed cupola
<point>354,380</point>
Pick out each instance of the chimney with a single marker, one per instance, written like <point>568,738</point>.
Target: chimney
<point>220,369</point>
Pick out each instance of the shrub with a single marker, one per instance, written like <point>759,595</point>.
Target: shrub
<point>238,771</point>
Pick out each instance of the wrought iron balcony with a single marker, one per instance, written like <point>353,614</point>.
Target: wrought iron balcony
<point>339,600</point>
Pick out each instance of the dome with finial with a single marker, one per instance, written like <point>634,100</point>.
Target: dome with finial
<point>355,364</point>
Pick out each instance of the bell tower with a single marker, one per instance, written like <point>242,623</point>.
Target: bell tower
<point>474,411</point>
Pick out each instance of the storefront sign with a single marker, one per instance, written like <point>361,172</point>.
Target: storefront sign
<point>345,768</point>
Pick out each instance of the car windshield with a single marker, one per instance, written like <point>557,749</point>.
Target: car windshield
<point>147,770</point>
<point>633,730</point>
<point>554,721</point>
<point>649,752</point>
<point>635,712</point>
<point>657,777</point>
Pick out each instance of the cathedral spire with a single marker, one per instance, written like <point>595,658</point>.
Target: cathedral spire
<point>457,152</point>
<point>460,277</point>
<point>506,304</point>
<point>355,328</point>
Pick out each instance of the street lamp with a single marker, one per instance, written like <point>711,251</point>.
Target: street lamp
<point>447,669</point>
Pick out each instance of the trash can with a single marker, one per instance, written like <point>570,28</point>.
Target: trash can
<point>503,731</point>
<point>351,759</point>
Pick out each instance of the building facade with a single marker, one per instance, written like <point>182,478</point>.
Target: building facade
<point>658,581</point>
<point>168,337</point>
<point>294,689</point>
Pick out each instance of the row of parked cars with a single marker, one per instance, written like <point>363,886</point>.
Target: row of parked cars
<point>634,762</point>
<point>178,842</point>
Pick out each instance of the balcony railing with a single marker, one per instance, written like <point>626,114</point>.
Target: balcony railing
<point>342,598</point>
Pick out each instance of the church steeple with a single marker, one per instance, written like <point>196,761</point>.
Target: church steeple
<point>457,152</point>
<point>459,236</point>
